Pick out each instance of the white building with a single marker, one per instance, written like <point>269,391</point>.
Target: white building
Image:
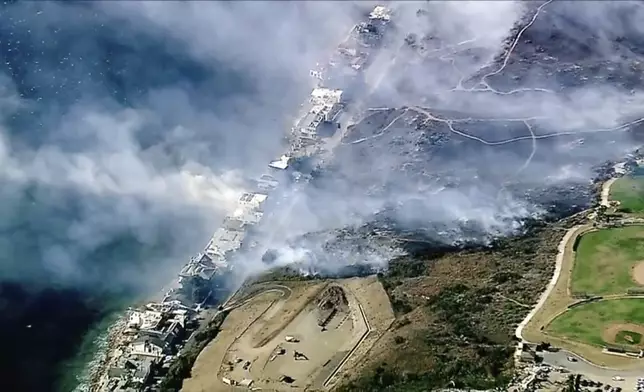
<point>196,268</point>
<point>146,320</point>
<point>248,215</point>
<point>252,200</point>
<point>323,105</point>
<point>248,212</point>
<point>380,13</point>
<point>148,347</point>
<point>281,163</point>
<point>223,242</point>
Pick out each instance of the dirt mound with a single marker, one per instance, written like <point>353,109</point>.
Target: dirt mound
<point>332,301</point>
<point>638,273</point>
<point>624,334</point>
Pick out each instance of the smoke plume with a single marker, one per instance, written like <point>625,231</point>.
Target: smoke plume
<point>143,120</point>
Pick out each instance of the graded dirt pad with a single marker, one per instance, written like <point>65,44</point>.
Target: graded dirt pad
<point>327,324</point>
<point>638,273</point>
<point>279,318</point>
<point>626,334</point>
<point>377,309</point>
<point>204,372</point>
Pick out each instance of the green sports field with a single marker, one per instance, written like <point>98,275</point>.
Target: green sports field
<point>629,192</point>
<point>604,261</point>
<point>596,322</point>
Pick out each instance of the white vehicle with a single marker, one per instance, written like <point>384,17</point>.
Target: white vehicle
<point>572,359</point>
<point>618,378</point>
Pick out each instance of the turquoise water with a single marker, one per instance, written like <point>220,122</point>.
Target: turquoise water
<point>74,372</point>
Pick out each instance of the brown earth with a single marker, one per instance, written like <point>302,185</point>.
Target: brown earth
<point>255,333</point>
<point>204,372</point>
<point>609,333</point>
<point>638,273</point>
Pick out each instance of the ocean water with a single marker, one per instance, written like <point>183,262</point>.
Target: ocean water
<point>97,117</point>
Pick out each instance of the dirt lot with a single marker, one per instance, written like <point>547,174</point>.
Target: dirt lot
<point>204,373</point>
<point>638,273</point>
<point>380,317</point>
<point>329,321</point>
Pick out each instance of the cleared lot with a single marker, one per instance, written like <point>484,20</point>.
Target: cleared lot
<point>295,341</point>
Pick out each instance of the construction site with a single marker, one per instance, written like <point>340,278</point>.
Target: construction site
<point>294,336</point>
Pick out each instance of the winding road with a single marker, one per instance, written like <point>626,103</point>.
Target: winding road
<point>561,250</point>
<point>606,192</point>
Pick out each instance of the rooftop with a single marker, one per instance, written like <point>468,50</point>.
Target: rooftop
<point>198,269</point>
<point>148,319</point>
<point>253,198</point>
<point>224,241</point>
<point>233,223</point>
<point>281,163</point>
<point>326,96</point>
<point>247,216</point>
<point>380,13</point>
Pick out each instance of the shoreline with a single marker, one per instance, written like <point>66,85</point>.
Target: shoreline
<point>103,356</point>
<point>213,258</point>
<point>90,380</point>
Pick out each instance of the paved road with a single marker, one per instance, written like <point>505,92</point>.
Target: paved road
<point>555,277</point>
<point>593,372</point>
<point>606,192</point>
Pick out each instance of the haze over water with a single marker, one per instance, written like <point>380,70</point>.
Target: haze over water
<point>124,125</point>
<point>108,144</point>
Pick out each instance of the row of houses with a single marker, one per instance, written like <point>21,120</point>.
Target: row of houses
<point>149,341</point>
<point>353,54</point>
<point>154,334</point>
<point>197,277</point>
<point>343,69</point>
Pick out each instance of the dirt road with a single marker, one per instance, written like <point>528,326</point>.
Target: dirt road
<point>555,277</point>
<point>605,200</point>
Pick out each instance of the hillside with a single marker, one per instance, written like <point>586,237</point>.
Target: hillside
<point>456,315</point>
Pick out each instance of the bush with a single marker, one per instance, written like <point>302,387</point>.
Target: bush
<point>401,306</point>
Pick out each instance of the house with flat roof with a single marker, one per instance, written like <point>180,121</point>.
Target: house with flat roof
<point>197,269</point>
<point>322,107</point>
<point>223,242</point>
<point>144,320</point>
<point>148,347</point>
<point>381,13</point>
<point>143,372</point>
<point>281,163</point>
<point>253,200</point>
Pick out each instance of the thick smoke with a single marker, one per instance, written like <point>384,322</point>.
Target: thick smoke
<point>124,141</point>
<point>561,82</point>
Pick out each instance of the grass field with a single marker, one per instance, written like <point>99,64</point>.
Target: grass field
<point>629,192</point>
<point>605,258</point>
<point>588,323</point>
